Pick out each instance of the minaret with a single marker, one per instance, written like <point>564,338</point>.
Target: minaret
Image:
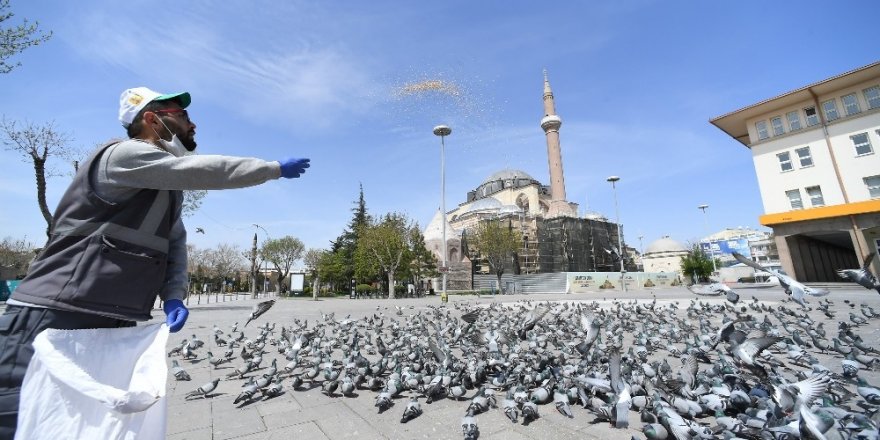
<point>550,123</point>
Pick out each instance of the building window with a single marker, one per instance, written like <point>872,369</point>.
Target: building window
<point>812,116</point>
<point>862,144</point>
<point>851,104</point>
<point>785,161</point>
<point>794,120</point>
<point>815,194</point>
<point>873,184</point>
<point>761,126</point>
<point>804,156</point>
<point>830,109</point>
<point>872,97</point>
<point>794,197</point>
<point>778,129</point>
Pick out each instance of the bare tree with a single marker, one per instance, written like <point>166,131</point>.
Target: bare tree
<point>312,260</point>
<point>225,260</point>
<point>36,144</point>
<point>14,40</point>
<point>496,243</point>
<point>15,256</point>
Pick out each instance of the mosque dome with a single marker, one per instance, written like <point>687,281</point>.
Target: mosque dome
<point>665,245</point>
<point>510,209</point>
<point>502,180</point>
<point>508,174</point>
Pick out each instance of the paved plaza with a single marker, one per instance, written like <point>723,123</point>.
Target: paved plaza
<point>307,413</point>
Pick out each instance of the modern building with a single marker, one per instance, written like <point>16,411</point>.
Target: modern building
<point>814,152</point>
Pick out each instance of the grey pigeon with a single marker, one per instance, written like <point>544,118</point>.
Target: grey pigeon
<point>413,410</point>
<point>863,277</point>
<point>204,390</point>
<point>792,286</point>
<point>246,394</point>
<point>259,309</point>
<point>469,427</point>
<point>178,371</point>
<point>511,410</point>
<point>715,289</point>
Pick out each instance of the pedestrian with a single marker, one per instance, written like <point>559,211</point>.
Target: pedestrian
<point>117,240</point>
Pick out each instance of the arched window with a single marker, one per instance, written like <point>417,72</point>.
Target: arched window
<point>522,201</point>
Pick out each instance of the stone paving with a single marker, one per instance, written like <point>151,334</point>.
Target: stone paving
<point>307,413</point>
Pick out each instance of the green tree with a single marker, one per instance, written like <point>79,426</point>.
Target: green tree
<point>346,244</point>
<point>384,245</point>
<point>496,242</point>
<point>697,265</point>
<point>36,144</point>
<point>424,262</point>
<point>282,253</point>
<point>15,39</point>
<point>331,268</point>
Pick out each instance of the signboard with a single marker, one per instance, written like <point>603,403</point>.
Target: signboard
<point>720,248</point>
<point>595,282</point>
<point>443,269</point>
<point>297,281</point>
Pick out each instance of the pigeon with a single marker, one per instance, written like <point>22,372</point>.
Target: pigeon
<point>714,289</point>
<point>204,390</point>
<point>178,371</point>
<point>469,426</point>
<point>413,410</point>
<point>792,287</point>
<point>383,401</point>
<point>259,309</point>
<point>863,277</point>
<point>529,412</point>
<point>511,410</point>
<point>246,394</point>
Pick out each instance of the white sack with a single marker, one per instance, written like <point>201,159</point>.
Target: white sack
<point>95,384</point>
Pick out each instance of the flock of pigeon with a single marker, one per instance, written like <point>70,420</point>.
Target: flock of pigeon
<point>709,369</point>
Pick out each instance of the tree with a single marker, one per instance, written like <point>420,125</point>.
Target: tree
<point>384,245</point>
<point>197,263</point>
<point>225,260</point>
<point>192,201</point>
<point>697,264</point>
<point>424,262</point>
<point>14,40</point>
<point>282,253</point>
<point>496,242</point>
<point>346,244</point>
<point>312,260</point>
<point>332,269</point>
<point>15,256</point>
<point>36,144</point>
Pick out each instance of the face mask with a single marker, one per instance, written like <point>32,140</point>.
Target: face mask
<point>174,146</point>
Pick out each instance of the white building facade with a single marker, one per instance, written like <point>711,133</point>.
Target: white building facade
<point>815,155</point>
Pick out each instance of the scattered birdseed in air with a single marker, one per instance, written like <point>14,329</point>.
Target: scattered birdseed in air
<point>429,86</point>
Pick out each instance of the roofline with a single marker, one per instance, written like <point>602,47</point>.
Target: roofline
<point>808,88</point>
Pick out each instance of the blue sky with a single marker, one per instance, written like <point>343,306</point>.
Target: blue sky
<point>635,83</point>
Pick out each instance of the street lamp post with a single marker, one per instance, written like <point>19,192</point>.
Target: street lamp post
<point>265,263</point>
<point>443,131</point>
<point>613,180</point>
<point>642,252</point>
<point>711,251</point>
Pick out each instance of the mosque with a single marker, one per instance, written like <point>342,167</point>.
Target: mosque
<point>555,237</point>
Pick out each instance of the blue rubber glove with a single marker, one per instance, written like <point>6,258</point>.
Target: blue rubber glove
<point>176,314</point>
<point>293,168</point>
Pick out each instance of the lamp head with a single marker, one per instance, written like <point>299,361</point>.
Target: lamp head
<point>613,179</point>
<point>442,130</point>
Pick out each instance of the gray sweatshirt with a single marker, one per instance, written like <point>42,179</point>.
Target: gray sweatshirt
<point>131,165</point>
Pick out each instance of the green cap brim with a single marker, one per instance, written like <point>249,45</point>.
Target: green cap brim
<point>183,98</point>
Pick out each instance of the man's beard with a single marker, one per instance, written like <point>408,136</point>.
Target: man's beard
<point>189,142</point>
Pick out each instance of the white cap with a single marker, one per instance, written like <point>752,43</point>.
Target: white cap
<point>132,101</point>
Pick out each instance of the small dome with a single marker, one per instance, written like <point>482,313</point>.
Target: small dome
<point>665,244</point>
<point>510,209</point>
<point>484,204</point>
<point>508,174</point>
<point>593,215</point>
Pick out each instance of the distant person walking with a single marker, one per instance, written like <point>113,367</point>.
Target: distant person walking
<point>117,239</point>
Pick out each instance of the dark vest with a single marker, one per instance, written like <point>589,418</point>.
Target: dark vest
<point>103,257</point>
